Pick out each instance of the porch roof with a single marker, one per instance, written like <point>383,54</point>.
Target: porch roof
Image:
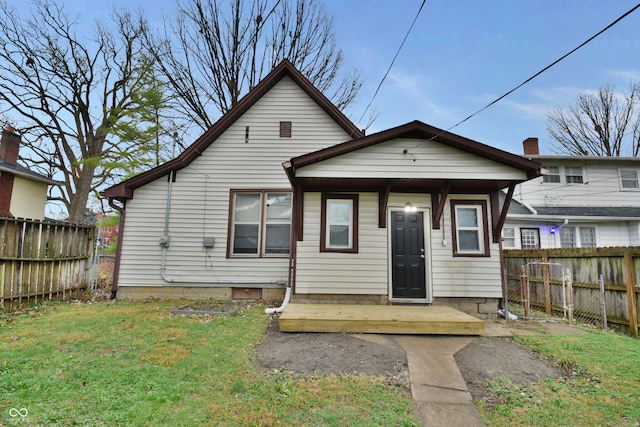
<point>489,182</point>
<point>425,133</point>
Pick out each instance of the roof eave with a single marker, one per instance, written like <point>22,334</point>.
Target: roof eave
<point>417,129</point>
<point>538,217</point>
<point>210,136</point>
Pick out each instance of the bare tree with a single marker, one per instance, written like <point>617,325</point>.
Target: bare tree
<point>66,93</point>
<point>601,124</point>
<point>216,51</point>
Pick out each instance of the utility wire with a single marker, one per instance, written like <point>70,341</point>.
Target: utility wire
<point>539,72</point>
<point>394,60</point>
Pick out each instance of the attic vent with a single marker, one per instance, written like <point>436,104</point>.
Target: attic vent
<point>285,129</point>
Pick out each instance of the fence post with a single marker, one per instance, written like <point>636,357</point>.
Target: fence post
<point>631,291</point>
<point>505,291</point>
<point>603,299</point>
<point>569,281</point>
<point>547,286</point>
<point>525,291</point>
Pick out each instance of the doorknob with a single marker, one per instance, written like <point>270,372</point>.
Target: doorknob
<point>422,253</point>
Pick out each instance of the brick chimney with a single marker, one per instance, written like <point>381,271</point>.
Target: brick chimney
<point>531,146</point>
<point>9,147</point>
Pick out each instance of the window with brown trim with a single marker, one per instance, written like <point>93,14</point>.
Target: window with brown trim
<point>260,223</point>
<point>470,228</point>
<point>285,129</point>
<point>339,223</point>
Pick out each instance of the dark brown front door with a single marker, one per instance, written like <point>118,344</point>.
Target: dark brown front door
<point>408,256</point>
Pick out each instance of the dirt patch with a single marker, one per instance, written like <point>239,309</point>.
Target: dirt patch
<point>335,353</point>
<point>479,362</point>
<point>488,358</point>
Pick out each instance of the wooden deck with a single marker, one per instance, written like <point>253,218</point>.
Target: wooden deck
<point>379,319</point>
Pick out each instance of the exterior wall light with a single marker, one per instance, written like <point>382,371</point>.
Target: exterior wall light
<point>409,208</point>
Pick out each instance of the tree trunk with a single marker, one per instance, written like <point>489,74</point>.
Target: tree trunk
<point>78,206</point>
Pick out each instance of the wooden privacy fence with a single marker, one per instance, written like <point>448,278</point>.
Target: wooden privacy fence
<point>603,282</point>
<point>43,260</point>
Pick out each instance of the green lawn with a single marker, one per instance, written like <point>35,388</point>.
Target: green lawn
<point>604,392</point>
<point>135,364</point>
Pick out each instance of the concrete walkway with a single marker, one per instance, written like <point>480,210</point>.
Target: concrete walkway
<point>440,394</point>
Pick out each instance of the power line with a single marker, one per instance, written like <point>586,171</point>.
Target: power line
<point>539,72</point>
<point>394,60</point>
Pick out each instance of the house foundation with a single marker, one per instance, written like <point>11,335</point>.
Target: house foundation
<point>140,293</point>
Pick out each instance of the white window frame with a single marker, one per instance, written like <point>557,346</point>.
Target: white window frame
<point>561,175</point>
<point>574,243</point>
<point>581,237</point>
<point>352,201</point>
<point>626,179</point>
<point>578,236</point>
<point>509,234</point>
<point>481,228</point>
<point>262,223</point>
<point>547,177</point>
<point>567,175</point>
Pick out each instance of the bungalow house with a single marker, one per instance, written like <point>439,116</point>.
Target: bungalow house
<point>285,190</point>
<point>23,193</point>
<point>580,201</point>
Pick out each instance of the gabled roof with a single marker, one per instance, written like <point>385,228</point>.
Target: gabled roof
<point>419,130</point>
<point>19,170</point>
<point>124,190</point>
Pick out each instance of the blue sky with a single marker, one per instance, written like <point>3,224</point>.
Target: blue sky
<point>463,54</point>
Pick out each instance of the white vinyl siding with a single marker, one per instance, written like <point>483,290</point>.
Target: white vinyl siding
<point>615,233</point>
<point>463,276</point>
<point>608,183</point>
<point>199,205</point>
<point>28,198</point>
<point>429,159</point>
<point>363,273</point>
<point>367,272</point>
<point>602,187</point>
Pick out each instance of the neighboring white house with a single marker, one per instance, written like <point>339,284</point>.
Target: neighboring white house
<point>581,201</point>
<point>408,215</point>
<point>23,193</point>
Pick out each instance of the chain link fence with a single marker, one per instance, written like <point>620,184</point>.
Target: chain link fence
<point>102,277</point>
<point>548,290</point>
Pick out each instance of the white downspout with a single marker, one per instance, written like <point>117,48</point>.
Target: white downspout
<point>287,298</point>
<point>524,203</point>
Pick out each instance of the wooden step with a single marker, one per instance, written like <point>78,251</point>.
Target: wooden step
<point>379,319</point>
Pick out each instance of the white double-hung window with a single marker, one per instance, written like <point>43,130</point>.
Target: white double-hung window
<point>339,223</point>
<point>470,230</point>
<point>261,223</point>
<point>629,179</point>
